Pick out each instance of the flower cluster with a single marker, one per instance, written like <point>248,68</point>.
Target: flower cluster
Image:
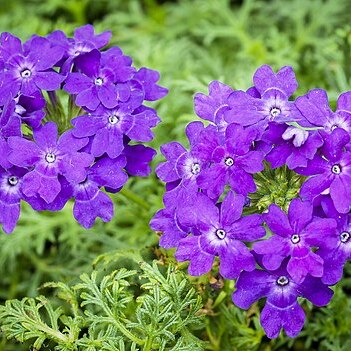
<point>46,166</point>
<point>279,254</point>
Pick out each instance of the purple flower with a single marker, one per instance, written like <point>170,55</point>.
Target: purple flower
<point>281,291</point>
<point>292,146</point>
<point>11,182</point>
<point>166,222</point>
<point>271,105</point>
<point>218,233</point>
<point>84,40</point>
<point>314,106</point>
<point>330,172</point>
<point>148,79</point>
<point>90,201</point>
<point>48,157</point>
<point>96,80</point>
<point>138,159</point>
<point>182,165</point>
<point>28,71</point>
<point>108,126</point>
<point>232,163</point>
<point>294,236</point>
<point>213,106</point>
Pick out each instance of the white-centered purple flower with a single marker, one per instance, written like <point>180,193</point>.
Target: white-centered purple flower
<point>330,172</point>
<point>28,71</point>
<point>294,236</point>
<point>281,291</point>
<point>47,158</point>
<point>271,105</point>
<point>218,232</point>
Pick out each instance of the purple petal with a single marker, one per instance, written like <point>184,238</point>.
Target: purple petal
<point>278,222</point>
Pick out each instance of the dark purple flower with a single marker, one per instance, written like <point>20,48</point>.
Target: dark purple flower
<point>11,182</point>
<point>314,106</point>
<point>138,159</point>
<point>218,233</point>
<point>232,163</point>
<point>271,105</point>
<point>281,291</point>
<point>294,236</point>
<point>29,71</point>
<point>48,157</point>
<point>330,172</point>
<point>96,80</point>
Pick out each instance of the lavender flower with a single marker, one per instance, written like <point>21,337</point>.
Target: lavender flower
<point>219,233</point>
<point>232,163</point>
<point>272,104</point>
<point>294,236</point>
<point>330,172</point>
<point>49,157</point>
<point>28,71</point>
<point>281,291</point>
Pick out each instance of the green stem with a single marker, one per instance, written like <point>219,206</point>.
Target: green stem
<point>148,344</point>
<point>135,198</point>
<point>127,333</point>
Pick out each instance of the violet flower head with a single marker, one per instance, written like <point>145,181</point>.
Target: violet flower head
<point>98,73</point>
<point>281,290</point>
<point>232,163</point>
<point>273,105</point>
<point>48,157</point>
<point>90,201</point>
<point>218,233</point>
<point>28,71</point>
<point>291,145</point>
<point>294,237</point>
<point>11,182</point>
<point>213,106</point>
<point>330,172</point>
<point>314,106</point>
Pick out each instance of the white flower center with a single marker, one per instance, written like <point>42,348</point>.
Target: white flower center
<point>336,169</point>
<point>50,158</point>
<point>13,180</point>
<point>195,168</point>
<point>334,126</point>
<point>26,73</point>
<point>113,119</point>
<point>344,237</point>
<point>275,111</point>
<point>282,280</point>
<point>99,81</point>
<point>221,234</point>
<point>229,161</point>
<point>295,239</point>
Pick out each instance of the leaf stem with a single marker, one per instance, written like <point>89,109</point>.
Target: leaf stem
<point>135,198</point>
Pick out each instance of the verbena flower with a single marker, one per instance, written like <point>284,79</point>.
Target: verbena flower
<point>330,172</point>
<point>272,104</point>
<point>223,174</point>
<point>314,106</point>
<point>218,233</point>
<point>231,163</point>
<point>291,145</point>
<point>294,236</point>
<point>94,158</point>
<point>49,157</point>
<point>281,290</point>
<point>28,71</point>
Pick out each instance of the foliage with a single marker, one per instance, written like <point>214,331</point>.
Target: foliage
<point>191,42</point>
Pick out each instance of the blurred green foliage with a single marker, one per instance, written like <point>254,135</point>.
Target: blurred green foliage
<point>191,42</point>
